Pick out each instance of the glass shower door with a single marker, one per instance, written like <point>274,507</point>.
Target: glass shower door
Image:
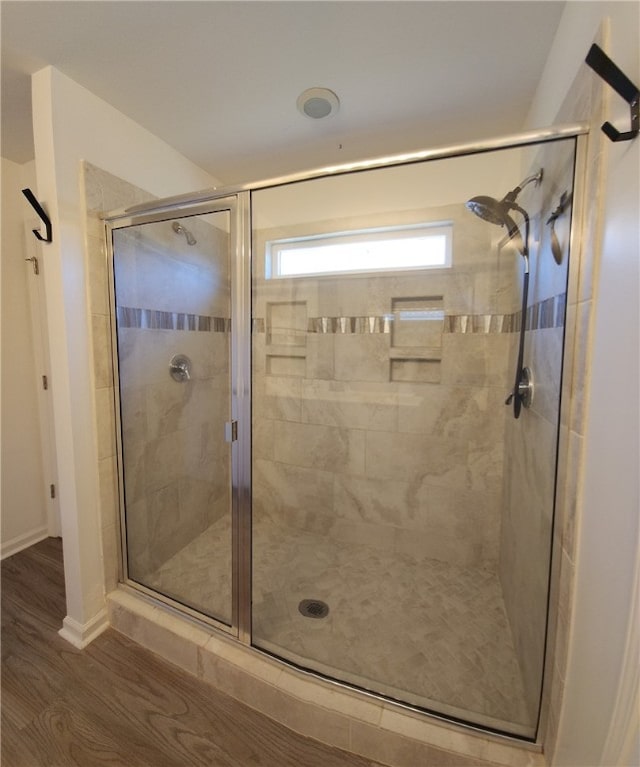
<point>172,296</point>
<point>402,518</point>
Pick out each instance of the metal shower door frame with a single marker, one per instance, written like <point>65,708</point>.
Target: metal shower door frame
<point>236,198</point>
<point>237,205</point>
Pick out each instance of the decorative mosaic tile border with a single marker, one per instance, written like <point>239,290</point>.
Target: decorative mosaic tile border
<point>544,314</point>
<point>355,325</point>
<point>155,319</point>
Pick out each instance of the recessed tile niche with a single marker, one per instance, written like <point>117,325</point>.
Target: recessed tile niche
<point>286,337</point>
<point>416,339</point>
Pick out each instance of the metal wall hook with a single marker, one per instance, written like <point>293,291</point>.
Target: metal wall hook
<point>602,65</point>
<point>41,212</point>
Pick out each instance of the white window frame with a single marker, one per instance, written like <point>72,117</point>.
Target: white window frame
<point>275,248</point>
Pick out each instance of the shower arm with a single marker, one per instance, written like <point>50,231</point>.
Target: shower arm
<point>510,198</point>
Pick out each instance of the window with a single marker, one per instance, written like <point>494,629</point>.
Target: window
<point>389,249</point>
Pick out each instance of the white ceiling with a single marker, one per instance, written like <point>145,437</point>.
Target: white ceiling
<point>218,81</point>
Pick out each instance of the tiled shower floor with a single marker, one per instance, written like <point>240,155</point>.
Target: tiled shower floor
<point>424,632</point>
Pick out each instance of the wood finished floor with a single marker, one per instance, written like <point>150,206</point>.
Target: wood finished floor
<point>115,703</point>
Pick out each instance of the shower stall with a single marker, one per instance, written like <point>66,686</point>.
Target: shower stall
<point>315,452</point>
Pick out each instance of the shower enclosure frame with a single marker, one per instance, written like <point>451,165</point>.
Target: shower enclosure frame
<point>236,199</point>
<point>240,398</point>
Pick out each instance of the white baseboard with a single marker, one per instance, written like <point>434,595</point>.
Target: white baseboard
<point>80,635</point>
<point>23,541</point>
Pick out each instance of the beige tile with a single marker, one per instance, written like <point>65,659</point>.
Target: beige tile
<point>544,357</point>
<point>247,661</point>
<point>330,697</point>
<point>361,357</point>
<point>98,280</point>
<point>105,423</point>
<point>427,371</point>
<point>342,404</point>
<point>280,486</point>
<point>456,745</point>
<point>568,365</point>
<point>477,359</point>
<point>171,646</point>
<point>321,724</point>
<point>418,323</point>
<point>109,501</point>
<point>286,323</point>
<point>452,411</point>
<point>401,751</point>
<point>277,397</point>
<point>263,438</point>
<point>128,614</point>
<point>92,188</point>
<point>571,500</point>
<point>102,360</point>
<point>415,457</point>
<point>163,461</point>
<point>110,548</point>
<point>138,550</point>
<point>362,534</point>
<point>170,637</point>
<point>286,365</point>
<point>234,681</point>
<point>320,356</point>
<point>581,352</point>
<point>323,447</point>
<point>592,222</point>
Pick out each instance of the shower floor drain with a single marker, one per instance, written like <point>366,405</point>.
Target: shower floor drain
<point>313,608</point>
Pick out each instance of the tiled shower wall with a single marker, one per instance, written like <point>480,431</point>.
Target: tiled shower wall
<point>104,192</point>
<point>378,400</point>
<point>172,494</point>
<point>531,441</point>
<point>172,299</point>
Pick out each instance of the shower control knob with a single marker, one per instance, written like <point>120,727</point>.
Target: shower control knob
<point>524,389</point>
<point>180,368</point>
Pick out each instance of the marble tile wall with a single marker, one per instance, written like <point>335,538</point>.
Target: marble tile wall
<point>176,467</point>
<point>585,101</point>
<point>287,398</point>
<point>386,425</point>
<point>175,300</point>
<point>531,440</point>
<point>103,192</point>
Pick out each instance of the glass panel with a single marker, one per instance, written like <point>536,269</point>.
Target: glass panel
<point>172,305</point>
<point>401,516</point>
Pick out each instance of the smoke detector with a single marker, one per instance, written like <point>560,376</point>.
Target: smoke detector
<point>318,103</point>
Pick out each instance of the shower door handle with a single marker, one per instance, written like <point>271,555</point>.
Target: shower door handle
<point>231,431</point>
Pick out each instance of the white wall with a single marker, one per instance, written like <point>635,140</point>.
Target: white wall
<point>595,727</point>
<point>24,505</point>
<point>70,125</point>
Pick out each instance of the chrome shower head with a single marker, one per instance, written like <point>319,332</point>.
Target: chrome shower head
<point>178,228</point>
<point>488,209</point>
<point>497,211</point>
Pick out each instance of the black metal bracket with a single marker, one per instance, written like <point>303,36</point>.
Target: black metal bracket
<point>40,211</point>
<point>602,65</point>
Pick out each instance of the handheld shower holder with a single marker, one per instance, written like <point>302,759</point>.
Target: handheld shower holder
<point>524,390</point>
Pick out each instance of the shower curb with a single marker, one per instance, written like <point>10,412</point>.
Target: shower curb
<point>333,714</point>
